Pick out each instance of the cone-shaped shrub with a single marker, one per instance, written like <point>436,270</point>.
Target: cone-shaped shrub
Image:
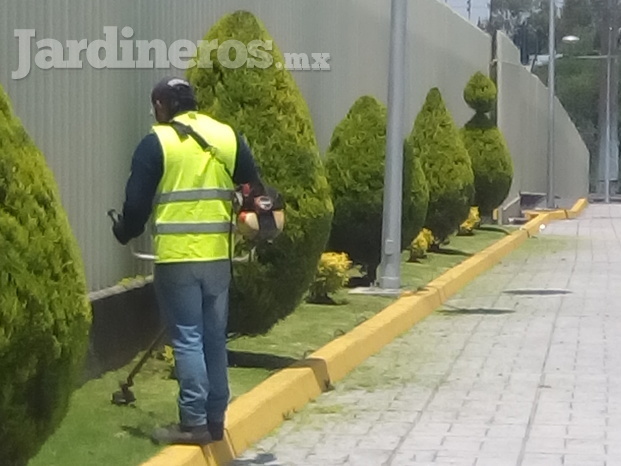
<point>264,104</point>
<point>44,310</point>
<point>446,165</point>
<point>480,93</point>
<point>355,168</point>
<point>491,160</point>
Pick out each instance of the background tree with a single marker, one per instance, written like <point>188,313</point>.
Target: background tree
<point>581,83</point>
<point>508,15</point>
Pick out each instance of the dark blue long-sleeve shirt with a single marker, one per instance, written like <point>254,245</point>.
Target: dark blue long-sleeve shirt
<point>147,170</point>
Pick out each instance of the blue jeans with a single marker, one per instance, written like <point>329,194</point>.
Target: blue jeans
<point>193,299</point>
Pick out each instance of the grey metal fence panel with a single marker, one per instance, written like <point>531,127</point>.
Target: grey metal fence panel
<point>82,120</point>
<point>523,119</point>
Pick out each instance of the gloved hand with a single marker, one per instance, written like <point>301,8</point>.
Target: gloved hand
<point>118,229</point>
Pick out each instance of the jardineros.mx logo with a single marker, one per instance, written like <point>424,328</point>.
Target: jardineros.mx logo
<point>120,51</point>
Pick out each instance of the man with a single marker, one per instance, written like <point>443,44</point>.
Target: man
<point>186,171</point>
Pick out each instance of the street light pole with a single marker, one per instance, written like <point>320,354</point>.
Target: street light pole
<point>608,146</point>
<point>550,198</point>
<point>390,267</point>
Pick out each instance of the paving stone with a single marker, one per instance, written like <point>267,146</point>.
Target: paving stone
<point>585,460</point>
<point>496,461</point>
<point>549,431</point>
<point>496,445</point>
<point>433,428</point>
<point>468,430</point>
<point>545,445</point>
<point>586,433</point>
<point>539,459</point>
<point>511,431</point>
<point>457,458</point>
<point>336,442</point>
<point>327,457</point>
<point>467,444</point>
<point>415,441</point>
<point>422,456</point>
<point>387,441</point>
<point>586,447</point>
<point>368,457</point>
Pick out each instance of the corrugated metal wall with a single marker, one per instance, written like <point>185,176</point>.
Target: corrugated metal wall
<point>87,122</point>
<point>84,121</point>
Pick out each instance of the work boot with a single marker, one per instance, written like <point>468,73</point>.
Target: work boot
<point>216,430</point>
<point>182,435</point>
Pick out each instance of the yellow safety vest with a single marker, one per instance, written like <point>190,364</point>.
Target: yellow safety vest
<point>192,211</point>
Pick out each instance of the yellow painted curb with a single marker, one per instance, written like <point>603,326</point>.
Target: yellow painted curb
<point>559,214</point>
<point>256,413</point>
<point>578,208</point>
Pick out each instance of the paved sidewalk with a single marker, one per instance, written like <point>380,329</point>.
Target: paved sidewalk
<point>520,368</point>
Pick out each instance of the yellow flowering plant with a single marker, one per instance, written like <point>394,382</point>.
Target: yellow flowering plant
<point>421,244</point>
<point>473,221</point>
<point>331,275</point>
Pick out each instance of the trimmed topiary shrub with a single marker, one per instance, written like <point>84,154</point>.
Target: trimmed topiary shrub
<point>491,160</point>
<point>446,165</point>
<point>355,168</point>
<point>44,310</point>
<point>266,106</point>
<point>480,93</point>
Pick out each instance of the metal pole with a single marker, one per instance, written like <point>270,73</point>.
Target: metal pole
<point>551,202</point>
<point>390,271</point>
<point>608,118</point>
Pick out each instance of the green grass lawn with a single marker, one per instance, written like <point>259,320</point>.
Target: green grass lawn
<point>95,432</point>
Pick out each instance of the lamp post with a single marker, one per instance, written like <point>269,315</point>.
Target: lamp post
<point>550,198</point>
<point>608,117</point>
<point>390,266</point>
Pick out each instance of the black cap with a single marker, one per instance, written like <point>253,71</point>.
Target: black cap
<point>174,91</point>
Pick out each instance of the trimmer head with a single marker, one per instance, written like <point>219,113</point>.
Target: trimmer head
<point>124,396</point>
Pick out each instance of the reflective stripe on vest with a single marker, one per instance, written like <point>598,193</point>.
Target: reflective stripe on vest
<point>195,195</point>
<point>193,202</point>
<point>192,228</point>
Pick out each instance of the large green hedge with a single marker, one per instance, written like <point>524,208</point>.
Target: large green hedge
<point>491,160</point>
<point>266,106</point>
<point>44,311</point>
<point>446,164</point>
<point>355,168</point>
